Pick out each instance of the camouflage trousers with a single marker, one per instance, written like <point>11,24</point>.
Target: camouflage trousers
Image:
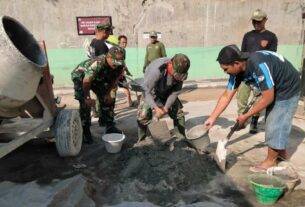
<point>144,117</point>
<point>106,110</point>
<point>243,94</point>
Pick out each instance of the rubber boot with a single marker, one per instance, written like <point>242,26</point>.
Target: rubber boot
<point>253,125</point>
<point>94,112</point>
<point>142,132</point>
<point>112,129</point>
<point>179,128</point>
<point>101,122</point>
<point>87,137</point>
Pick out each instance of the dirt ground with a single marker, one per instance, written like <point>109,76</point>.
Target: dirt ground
<point>142,174</point>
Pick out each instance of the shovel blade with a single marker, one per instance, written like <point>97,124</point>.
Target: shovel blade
<point>159,131</point>
<point>221,154</point>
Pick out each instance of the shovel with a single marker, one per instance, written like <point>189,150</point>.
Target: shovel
<point>159,131</point>
<point>221,151</point>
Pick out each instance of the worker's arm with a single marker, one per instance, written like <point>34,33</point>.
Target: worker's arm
<point>222,104</point>
<point>86,88</point>
<point>173,96</point>
<point>145,60</point>
<point>151,77</point>
<point>266,99</point>
<point>273,44</point>
<point>163,52</point>
<point>266,87</point>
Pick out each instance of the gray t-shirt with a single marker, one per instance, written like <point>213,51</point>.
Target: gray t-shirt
<point>159,86</point>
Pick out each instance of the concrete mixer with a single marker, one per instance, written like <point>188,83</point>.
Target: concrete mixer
<point>28,108</point>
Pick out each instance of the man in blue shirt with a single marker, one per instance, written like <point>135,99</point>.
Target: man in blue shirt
<point>279,84</point>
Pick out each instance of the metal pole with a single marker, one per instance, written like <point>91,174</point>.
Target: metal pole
<point>303,60</point>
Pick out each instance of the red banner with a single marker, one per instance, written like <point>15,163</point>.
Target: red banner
<point>86,25</point>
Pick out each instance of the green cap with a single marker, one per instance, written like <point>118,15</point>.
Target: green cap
<point>181,63</point>
<point>104,25</point>
<point>153,34</point>
<point>258,15</point>
<point>117,55</point>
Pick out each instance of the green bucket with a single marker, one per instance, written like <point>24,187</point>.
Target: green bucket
<point>267,188</point>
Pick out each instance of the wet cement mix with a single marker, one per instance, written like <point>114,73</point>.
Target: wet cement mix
<point>165,175</point>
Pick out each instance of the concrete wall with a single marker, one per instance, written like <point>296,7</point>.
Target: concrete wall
<point>196,27</point>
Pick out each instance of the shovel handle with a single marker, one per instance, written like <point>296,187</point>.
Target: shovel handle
<point>233,129</point>
<point>236,125</point>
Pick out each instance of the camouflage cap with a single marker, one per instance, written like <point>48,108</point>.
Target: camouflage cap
<point>117,55</point>
<point>153,34</point>
<point>104,25</point>
<point>181,63</point>
<point>258,15</point>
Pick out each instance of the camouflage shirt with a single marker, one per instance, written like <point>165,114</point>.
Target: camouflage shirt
<point>97,69</point>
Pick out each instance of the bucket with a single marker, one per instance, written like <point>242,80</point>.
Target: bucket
<point>267,188</point>
<point>286,171</point>
<point>113,142</point>
<point>198,137</point>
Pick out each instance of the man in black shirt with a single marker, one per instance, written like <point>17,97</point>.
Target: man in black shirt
<point>98,47</point>
<point>255,40</point>
<point>279,84</point>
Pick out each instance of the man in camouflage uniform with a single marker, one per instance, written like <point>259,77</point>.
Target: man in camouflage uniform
<point>163,80</point>
<point>155,49</point>
<point>99,47</point>
<point>99,75</point>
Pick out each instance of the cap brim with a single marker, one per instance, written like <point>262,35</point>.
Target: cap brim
<point>105,28</point>
<point>258,19</point>
<point>118,62</point>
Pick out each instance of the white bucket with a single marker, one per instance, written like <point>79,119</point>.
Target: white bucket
<point>113,142</point>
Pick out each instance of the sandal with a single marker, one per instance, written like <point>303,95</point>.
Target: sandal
<point>257,169</point>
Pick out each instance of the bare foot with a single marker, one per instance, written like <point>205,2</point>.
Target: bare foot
<point>267,163</point>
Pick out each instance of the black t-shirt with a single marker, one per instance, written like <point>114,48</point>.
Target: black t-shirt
<point>266,70</point>
<point>255,41</point>
<point>98,47</point>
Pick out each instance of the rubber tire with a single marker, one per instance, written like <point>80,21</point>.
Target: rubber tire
<point>68,133</point>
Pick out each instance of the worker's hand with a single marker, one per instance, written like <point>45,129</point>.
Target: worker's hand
<point>242,119</point>
<point>209,122</point>
<point>108,100</point>
<point>158,112</point>
<point>165,110</point>
<point>89,102</point>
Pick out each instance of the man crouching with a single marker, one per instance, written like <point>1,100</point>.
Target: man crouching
<point>163,79</point>
<point>99,75</point>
